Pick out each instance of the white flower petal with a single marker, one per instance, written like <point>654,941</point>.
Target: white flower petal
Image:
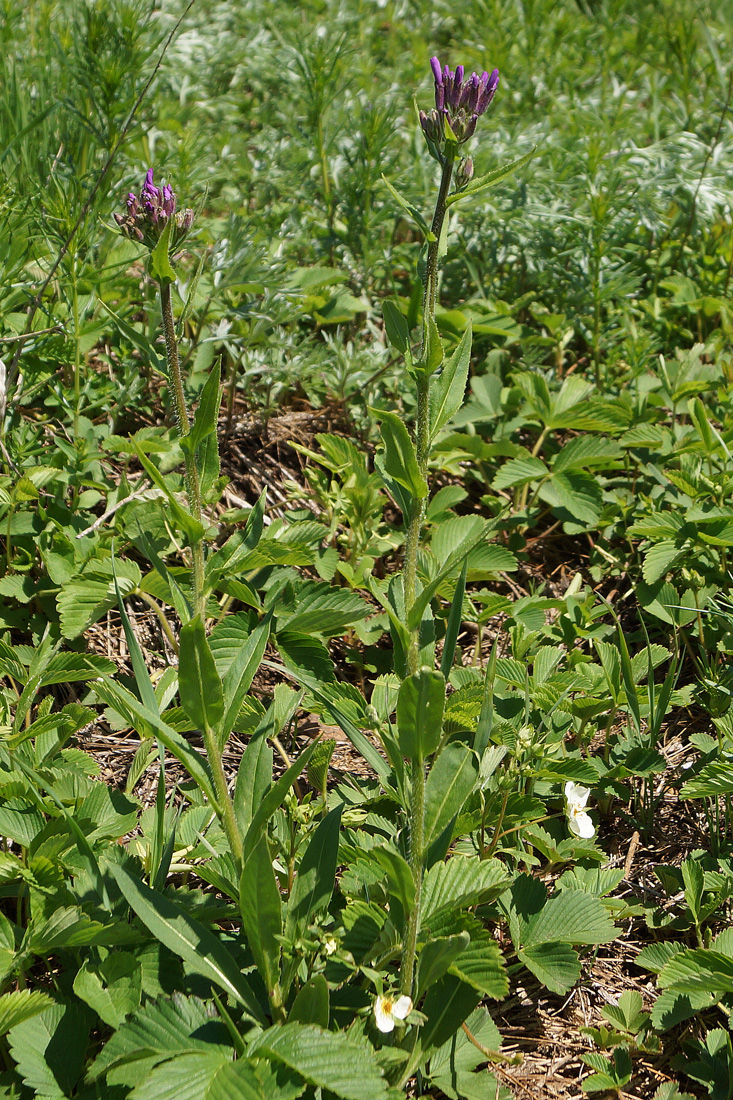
<point>402,1008</point>
<point>383,1014</point>
<point>581,824</point>
<point>576,796</point>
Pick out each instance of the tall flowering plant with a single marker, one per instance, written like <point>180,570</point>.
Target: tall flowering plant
<point>153,219</point>
<point>460,102</point>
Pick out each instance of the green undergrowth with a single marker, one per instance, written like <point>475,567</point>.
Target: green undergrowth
<point>502,577</point>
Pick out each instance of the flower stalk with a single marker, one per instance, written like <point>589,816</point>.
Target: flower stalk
<point>193,484</point>
<point>458,105</point>
<point>153,220</point>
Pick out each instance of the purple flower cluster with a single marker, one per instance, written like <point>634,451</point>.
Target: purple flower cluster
<point>459,102</point>
<point>149,212</point>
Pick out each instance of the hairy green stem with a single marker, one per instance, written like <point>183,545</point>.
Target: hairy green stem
<point>422,425</point>
<point>417,858</point>
<point>193,484</point>
<point>412,544</point>
<point>226,806</point>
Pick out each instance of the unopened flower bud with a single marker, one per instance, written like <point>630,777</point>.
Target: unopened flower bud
<point>464,173</point>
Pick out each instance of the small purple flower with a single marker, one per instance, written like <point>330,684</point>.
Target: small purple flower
<point>459,102</point>
<point>148,214</point>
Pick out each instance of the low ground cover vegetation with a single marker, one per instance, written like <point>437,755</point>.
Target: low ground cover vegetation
<point>365,517</point>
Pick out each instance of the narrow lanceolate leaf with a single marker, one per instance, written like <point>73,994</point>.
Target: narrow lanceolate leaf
<point>455,620</point>
<point>326,1059</point>
<point>204,422</point>
<point>261,909</point>
<point>451,781</point>
<point>240,673</point>
<point>396,327</point>
<point>201,691</point>
<point>160,263</point>
<point>316,873</point>
<point>488,180</point>
<point>400,459</point>
<point>201,950</point>
<point>410,209</point>
<point>274,799</point>
<point>144,720</point>
<point>420,705</point>
<point>448,388</point>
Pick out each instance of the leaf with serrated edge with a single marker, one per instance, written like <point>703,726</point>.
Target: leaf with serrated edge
<point>329,1060</point>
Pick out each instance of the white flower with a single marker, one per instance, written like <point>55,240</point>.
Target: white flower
<point>330,944</point>
<point>579,821</point>
<point>386,1011</point>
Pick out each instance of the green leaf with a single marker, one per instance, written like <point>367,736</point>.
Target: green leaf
<point>311,1006</point>
<point>451,780</point>
<point>50,1048</point>
<point>554,964</point>
<point>455,620</point>
<point>210,1076</point>
<point>147,722</point>
<point>459,883</point>
<point>329,1060</point>
<point>447,1004</point>
<point>575,497</point>
<point>698,970</point>
<point>193,530</point>
<point>436,956</point>
<point>481,183</point>
<point>198,681</point>
<point>411,210</point>
<point>693,877</point>
<point>89,595</point>
<point>254,777</point>
<point>201,950</point>
<point>482,964</point>
<point>239,676</point>
<point>205,420</point>
<point>274,798</point>
<point>354,734</point>
<point>420,705</point>
<point>396,327</point>
<point>400,459</point>
<point>399,876</point>
<point>21,1005</point>
<point>432,355</point>
<point>570,916</point>
<point>451,563</point>
<point>166,1028</point>
<point>611,1075</point>
<point>316,874</point>
<point>138,340</point>
<point>447,390</point>
<point>660,559</point>
<point>452,1066</point>
<point>160,264</point>
<point>261,909</point>
<point>519,471</point>
<point>323,609</point>
<point>111,988</point>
